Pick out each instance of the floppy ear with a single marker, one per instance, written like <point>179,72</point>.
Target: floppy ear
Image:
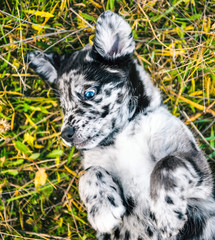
<point>113,36</point>
<point>45,65</point>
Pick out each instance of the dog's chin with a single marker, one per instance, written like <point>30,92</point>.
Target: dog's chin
<point>83,145</point>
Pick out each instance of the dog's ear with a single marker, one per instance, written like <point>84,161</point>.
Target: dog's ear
<point>113,36</point>
<point>46,65</point>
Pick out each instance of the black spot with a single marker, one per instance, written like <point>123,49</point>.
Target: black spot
<point>152,216</point>
<point>112,201</point>
<point>89,137</point>
<point>113,123</point>
<point>87,199</point>
<point>139,238</point>
<point>117,233</point>
<point>179,215</point>
<point>70,92</point>
<point>70,118</point>
<point>127,235</point>
<point>147,113</point>
<point>130,35</point>
<point>107,172</point>
<point>113,188</point>
<point>99,175</point>
<point>102,16</point>
<point>106,236</point>
<point>120,98</point>
<point>152,157</point>
<point>98,100</point>
<point>80,111</point>
<point>94,112</point>
<point>95,196</point>
<point>77,94</point>
<point>87,169</point>
<point>98,23</point>
<point>130,205</point>
<point>163,230</point>
<point>91,117</point>
<point>94,210</point>
<point>105,111</point>
<point>138,219</point>
<point>149,232</point>
<point>110,25</point>
<point>108,92</point>
<point>169,200</point>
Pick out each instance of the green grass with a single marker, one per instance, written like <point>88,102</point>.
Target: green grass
<point>175,41</point>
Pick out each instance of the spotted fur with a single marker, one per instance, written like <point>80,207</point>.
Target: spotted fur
<point>145,176</point>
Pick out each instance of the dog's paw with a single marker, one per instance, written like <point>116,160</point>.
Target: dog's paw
<point>102,198</point>
<point>105,218</point>
<point>169,217</point>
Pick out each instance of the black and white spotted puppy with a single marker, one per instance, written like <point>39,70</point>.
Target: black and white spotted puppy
<point>145,176</point>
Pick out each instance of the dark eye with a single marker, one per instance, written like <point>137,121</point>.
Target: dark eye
<point>89,93</point>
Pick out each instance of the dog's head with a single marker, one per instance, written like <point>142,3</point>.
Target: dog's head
<point>99,86</point>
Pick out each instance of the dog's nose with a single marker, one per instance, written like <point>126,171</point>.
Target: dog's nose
<point>68,133</point>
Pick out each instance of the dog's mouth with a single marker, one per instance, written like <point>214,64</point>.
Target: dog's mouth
<point>78,144</point>
<point>88,143</point>
<point>83,144</point>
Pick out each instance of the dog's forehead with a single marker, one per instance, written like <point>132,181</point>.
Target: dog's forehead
<point>81,69</point>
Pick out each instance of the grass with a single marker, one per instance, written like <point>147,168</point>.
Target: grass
<point>175,41</point>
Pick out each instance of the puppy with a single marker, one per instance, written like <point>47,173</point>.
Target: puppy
<point>145,177</point>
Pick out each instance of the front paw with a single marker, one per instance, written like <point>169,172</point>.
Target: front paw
<point>168,216</point>
<point>102,198</point>
<point>105,217</point>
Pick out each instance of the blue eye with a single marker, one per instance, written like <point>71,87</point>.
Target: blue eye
<point>89,94</point>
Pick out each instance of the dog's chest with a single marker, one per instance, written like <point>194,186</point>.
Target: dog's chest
<point>129,160</point>
<point>136,150</point>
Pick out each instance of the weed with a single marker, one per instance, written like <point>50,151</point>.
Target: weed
<point>39,175</point>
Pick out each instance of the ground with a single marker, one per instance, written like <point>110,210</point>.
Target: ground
<point>175,42</point>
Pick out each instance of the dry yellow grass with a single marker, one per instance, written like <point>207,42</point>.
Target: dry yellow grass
<point>175,41</point>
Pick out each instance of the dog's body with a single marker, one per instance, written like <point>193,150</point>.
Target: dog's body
<point>145,176</point>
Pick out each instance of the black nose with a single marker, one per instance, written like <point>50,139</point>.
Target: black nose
<point>68,133</point>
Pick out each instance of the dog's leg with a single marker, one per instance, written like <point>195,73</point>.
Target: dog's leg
<point>175,180</point>
<point>101,196</point>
